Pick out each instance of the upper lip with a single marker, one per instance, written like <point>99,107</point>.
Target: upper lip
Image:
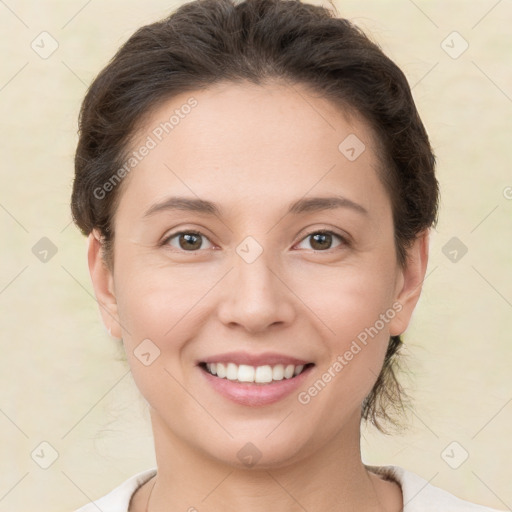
<point>265,358</point>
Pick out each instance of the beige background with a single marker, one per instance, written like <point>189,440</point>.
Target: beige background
<point>63,380</point>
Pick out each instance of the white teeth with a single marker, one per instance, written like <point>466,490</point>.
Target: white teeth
<point>245,373</point>
<point>232,371</point>
<point>221,370</point>
<point>263,374</point>
<point>278,372</point>
<point>298,369</point>
<point>259,374</point>
<point>288,371</point>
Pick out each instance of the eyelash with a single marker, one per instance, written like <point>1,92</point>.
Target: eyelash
<point>344,241</point>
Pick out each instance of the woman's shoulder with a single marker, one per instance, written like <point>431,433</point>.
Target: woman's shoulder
<point>421,496</point>
<point>118,499</point>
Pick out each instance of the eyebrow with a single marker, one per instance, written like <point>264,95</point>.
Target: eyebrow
<point>304,205</point>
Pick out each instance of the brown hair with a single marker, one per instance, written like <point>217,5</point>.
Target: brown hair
<point>205,42</point>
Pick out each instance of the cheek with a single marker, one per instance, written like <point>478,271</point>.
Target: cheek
<point>354,310</point>
<point>157,300</point>
<point>354,353</point>
<point>161,303</point>
<point>157,315</point>
<point>348,300</point>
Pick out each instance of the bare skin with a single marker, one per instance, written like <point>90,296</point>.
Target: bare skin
<point>253,151</point>
<point>390,495</point>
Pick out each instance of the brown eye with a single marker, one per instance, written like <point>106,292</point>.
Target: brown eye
<point>323,240</point>
<point>190,241</point>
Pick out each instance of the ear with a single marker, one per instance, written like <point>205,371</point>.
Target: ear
<point>103,283</point>
<point>409,283</point>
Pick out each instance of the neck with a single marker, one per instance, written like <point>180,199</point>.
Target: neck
<point>333,478</point>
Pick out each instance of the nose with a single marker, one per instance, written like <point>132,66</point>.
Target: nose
<point>256,297</point>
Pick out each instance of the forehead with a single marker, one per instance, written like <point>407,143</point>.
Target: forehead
<point>253,143</point>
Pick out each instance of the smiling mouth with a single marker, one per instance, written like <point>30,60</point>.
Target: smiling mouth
<point>265,374</point>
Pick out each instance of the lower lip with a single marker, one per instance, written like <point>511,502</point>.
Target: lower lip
<point>252,394</point>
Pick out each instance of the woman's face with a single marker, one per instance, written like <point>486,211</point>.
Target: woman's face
<point>254,275</point>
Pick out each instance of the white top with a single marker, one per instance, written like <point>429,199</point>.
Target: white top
<point>419,495</point>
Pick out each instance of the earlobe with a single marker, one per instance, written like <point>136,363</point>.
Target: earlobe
<point>103,284</point>
<point>410,282</point>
